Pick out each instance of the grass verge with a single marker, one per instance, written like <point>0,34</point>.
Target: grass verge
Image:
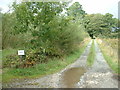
<point>113,65</point>
<point>91,56</point>
<point>40,70</point>
<point>0,66</point>
<point>112,59</point>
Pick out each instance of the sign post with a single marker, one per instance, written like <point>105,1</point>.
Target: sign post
<point>21,53</point>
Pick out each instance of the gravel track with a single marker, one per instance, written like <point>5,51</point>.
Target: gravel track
<point>53,80</point>
<point>98,76</point>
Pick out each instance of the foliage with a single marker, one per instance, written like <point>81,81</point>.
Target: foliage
<point>41,54</point>
<point>30,59</point>
<point>9,38</point>
<point>76,11</point>
<point>42,31</point>
<point>6,30</point>
<point>11,61</point>
<point>0,30</point>
<point>98,25</point>
<point>49,31</point>
<point>52,66</point>
<point>30,15</point>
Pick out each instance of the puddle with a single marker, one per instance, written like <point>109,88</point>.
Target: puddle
<point>72,76</point>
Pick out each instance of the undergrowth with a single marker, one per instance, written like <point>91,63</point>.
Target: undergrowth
<point>39,70</point>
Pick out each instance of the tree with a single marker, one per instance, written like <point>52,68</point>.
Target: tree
<point>0,29</point>
<point>7,24</point>
<point>35,13</point>
<point>99,25</point>
<point>50,29</point>
<point>76,11</point>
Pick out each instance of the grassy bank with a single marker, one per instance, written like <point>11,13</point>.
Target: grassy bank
<point>91,56</point>
<point>0,59</point>
<point>0,66</point>
<point>112,64</point>
<point>40,70</point>
<point>109,49</point>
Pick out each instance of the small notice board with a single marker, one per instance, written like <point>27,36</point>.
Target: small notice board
<point>21,52</point>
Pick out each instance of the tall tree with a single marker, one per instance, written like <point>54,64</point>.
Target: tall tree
<point>76,11</point>
<point>52,32</point>
<point>35,13</point>
<point>99,25</point>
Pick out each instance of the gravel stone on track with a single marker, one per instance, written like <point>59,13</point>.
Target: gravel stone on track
<point>100,75</point>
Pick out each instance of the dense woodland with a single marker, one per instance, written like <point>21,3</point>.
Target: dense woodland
<point>48,30</point>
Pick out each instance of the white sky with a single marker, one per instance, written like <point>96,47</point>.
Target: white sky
<point>90,6</point>
<point>100,6</point>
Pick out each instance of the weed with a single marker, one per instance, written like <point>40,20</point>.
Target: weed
<point>91,56</point>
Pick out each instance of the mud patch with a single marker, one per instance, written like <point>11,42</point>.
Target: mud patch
<point>72,76</point>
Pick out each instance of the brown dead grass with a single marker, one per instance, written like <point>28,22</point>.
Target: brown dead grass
<point>110,47</point>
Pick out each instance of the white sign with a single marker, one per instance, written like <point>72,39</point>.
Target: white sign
<point>21,52</point>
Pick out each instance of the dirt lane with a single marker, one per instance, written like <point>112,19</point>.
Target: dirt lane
<point>57,80</point>
<point>71,75</point>
<point>99,75</point>
<point>76,75</point>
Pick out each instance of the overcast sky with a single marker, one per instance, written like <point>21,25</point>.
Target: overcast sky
<point>90,6</point>
<point>100,6</point>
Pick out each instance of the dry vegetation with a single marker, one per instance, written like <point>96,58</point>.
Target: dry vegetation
<point>109,48</point>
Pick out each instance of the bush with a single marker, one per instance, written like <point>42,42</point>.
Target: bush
<point>31,58</point>
<point>11,61</point>
<point>62,37</point>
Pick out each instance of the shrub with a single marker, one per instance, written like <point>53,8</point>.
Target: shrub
<point>62,37</point>
<point>31,58</point>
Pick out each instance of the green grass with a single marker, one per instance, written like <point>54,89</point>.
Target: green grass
<point>0,54</point>
<point>40,70</point>
<point>0,57</point>
<point>0,65</point>
<point>91,56</point>
<point>7,52</point>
